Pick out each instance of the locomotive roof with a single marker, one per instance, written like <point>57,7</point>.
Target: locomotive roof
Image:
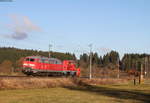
<point>33,57</point>
<point>41,57</point>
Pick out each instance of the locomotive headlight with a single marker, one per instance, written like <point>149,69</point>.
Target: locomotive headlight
<point>25,64</point>
<point>32,65</point>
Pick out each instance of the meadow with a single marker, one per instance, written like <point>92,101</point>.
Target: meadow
<point>84,93</point>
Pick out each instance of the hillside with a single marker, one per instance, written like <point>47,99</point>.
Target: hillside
<point>12,57</point>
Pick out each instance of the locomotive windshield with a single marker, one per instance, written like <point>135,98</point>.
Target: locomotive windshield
<point>30,59</point>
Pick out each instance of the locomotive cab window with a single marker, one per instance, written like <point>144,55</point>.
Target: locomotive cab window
<point>27,59</point>
<point>30,59</point>
<point>46,61</point>
<point>51,61</point>
<point>43,60</point>
<point>54,61</point>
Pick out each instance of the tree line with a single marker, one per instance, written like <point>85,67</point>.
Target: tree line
<point>12,58</point>
<point>112,61</point>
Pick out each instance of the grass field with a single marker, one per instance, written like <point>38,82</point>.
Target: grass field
<point>82,94</point>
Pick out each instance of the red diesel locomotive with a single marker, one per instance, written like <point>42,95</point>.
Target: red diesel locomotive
<point>37,65</point>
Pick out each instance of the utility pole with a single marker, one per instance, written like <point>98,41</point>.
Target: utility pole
<point>130,62</point>
<point>141,74</point>
<point>147,72</point>
<point>90,75</point>
<point>12,69</point>
<point>118,68</point>
<point>145,69</point>
<point>49,50</point>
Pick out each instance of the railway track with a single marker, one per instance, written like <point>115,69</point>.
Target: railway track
<point>7,76</point>
<point>2,76</point>
<point>84,77</point>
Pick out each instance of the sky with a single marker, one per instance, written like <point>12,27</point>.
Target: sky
<point>71,25</point>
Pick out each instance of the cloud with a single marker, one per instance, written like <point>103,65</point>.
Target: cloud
<point>21,27</point>
<point>17,35</point>
<point>29,26</point>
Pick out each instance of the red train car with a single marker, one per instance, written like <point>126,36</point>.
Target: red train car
<point>37,65</point>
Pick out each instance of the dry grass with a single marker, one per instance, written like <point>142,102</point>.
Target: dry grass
<point>104,72</point>
<point>12,74</point>
<point>29,83</point>
<point>104,81</point>
<point>69,90</point>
